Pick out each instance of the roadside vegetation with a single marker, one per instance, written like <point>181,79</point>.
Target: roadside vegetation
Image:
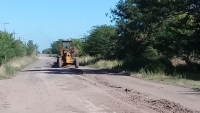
<point>14,54</point>
<point>158,40</point>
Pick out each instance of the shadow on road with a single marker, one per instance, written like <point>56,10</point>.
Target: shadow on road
<point>73,71</point>
<point>53,69</point>
<point>98,72</point>
<point>195,92</point>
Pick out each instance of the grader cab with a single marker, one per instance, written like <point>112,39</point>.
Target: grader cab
<point>67,55</point>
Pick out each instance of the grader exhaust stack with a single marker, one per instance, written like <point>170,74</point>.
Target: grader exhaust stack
<point>67,55</point>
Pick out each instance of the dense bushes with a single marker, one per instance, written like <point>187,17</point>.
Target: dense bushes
<point>10,48</point>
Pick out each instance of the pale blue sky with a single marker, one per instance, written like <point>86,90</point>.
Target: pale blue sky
<point>45,21</point>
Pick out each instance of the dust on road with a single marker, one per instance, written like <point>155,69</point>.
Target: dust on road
<point>39,88</point>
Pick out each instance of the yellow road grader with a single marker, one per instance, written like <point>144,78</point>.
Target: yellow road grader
<point>67,55</point>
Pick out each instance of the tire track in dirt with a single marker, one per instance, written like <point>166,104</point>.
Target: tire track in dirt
<point>160,105</point>
<point>141,100</point>
<point>77,89</point>
<point>116,95</point>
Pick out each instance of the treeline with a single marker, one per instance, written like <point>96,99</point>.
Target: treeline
<point>10,48</point>
<point>147,35</point>
<point>55,47</point>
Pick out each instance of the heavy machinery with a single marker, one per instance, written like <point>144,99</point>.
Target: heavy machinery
<point>67,55</point>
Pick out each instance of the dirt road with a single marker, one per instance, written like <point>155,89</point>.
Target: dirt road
<point>39,88</point>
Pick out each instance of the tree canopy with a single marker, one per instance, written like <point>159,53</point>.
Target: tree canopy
<point>14,48</point>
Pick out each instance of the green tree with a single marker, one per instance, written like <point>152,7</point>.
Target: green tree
<point>167,25</point>
<point>19,48</point>
<point>79,46</point>
<point>55,47</point>
<point>47,51</point>
<point>98,41</point>
<point>11,48</point>
<point>30,47</point>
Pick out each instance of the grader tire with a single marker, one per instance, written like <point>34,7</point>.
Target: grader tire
<point>76,62</point>
<point>59,63</point>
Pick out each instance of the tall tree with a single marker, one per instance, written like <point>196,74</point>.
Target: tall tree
<point>166,25</point>
<point>98,41</point>
<point>55,46</point>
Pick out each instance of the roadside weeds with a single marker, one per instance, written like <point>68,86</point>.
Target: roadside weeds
<point>8,69</point>
<point>176,81</point>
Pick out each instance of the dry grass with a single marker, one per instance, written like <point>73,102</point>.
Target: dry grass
<point>2,72</point>
<point>8,69</point>
<point>105,64</point>
<point>97,63</point>
<point>85,60</point>
<point>161,78</point>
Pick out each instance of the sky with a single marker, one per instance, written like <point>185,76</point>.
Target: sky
<point>45,21</point>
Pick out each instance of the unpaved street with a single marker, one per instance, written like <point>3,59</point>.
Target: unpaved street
<point>40,88</point>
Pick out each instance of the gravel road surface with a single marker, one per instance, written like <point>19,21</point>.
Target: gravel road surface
<point>41,88</point>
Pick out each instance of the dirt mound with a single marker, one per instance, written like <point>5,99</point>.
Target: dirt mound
<point>162,105</point>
